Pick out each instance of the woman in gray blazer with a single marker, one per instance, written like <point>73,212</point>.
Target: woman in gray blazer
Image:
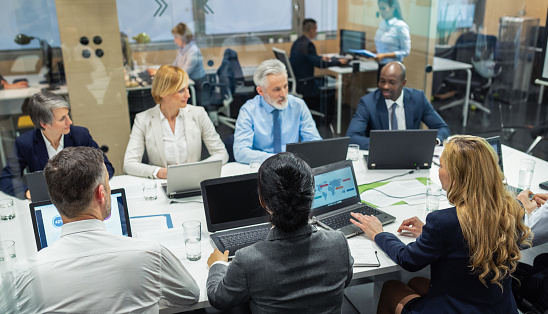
<point>298,268</point>
<point>171,132</point>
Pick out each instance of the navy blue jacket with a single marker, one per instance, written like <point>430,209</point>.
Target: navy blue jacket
<point>372,114</point>
<point>30,152</point>
<point>453,288</point>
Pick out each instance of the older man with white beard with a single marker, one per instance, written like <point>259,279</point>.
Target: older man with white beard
<point>271,119</point>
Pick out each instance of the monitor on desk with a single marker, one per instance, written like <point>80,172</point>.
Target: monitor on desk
<point>351,40</point>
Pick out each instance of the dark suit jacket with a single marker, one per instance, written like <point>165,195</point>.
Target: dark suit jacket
<point>372,114</point>
<point>304,271</point>
<point>453,288</point>
<point>30,152</point>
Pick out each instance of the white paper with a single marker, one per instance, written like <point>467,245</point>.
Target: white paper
<point>363,251</point>
<point>172,238</point>
<point>148,224</point>
<point>412,192</point>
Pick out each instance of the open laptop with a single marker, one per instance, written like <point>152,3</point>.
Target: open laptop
<point>47,222</point>
<point>495,143</point>
<point>401,149</point>
<point>184,180</point>
<point>38,188</point>
<point>233,212</point>
<point>322,152</point>
<point>337,195</point>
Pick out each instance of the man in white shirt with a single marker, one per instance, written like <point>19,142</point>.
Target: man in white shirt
<point>90,270</point>
<point>536,215</point>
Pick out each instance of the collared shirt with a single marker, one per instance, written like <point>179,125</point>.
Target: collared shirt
<point>190,59</point>
<point>253,137</point>
<point>537,221</point>
<point>400,111</point>
<point>174,141</point>
<point>52,151</point>
<point>90,270</point>
<point>393,36</point>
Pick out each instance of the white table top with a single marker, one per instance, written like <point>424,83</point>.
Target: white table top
<point>20,229</point>
<point>442,64</point>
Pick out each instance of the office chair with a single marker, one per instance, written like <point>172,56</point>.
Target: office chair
<point>477,50</point>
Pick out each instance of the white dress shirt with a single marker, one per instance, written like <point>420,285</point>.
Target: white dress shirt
<point>52,151</point>
<point>400,112</point>
<point>90,270</point>
<point>538,222</point>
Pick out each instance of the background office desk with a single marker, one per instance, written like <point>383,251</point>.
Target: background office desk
<point>11,99</point>
<point>20,229</point>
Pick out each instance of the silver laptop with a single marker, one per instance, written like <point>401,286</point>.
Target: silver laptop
<point>184,180</point>
<point>495,143</point>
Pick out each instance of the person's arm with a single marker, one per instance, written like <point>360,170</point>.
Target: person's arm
<point>191,61</point>
<point>211,138</point>
<point>404,44</point>
<point>317,61</point>
<point>243,140</point>
<point>307,130</point>
<point>226,285</point>
<point>134,152</point>
<point>528,204</point>
<point>358,126</point>
<point>5,85</point>
<point>433,120</point>
<point>178,286</point>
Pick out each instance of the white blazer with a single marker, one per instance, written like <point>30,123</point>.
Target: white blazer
<point>147,133</point>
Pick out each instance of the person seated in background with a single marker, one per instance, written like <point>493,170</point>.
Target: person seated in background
<point>5,85</point>
<point>298,268</point>
<point>89,269</point>
<point>393,107</point>
<point>32,150</point>
<point>303,59</point>
<point>271,119</point>
<point>472,248</point>
<point>536,218</point>
<point>171,132</point>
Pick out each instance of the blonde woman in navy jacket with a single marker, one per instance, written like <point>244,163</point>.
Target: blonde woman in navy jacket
<point>472,248</point>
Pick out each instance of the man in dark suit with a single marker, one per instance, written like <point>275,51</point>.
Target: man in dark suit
<point>54,131</point>
<point>298,268</point>
<point>393,107</point>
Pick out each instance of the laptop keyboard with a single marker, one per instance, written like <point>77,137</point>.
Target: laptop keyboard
<point>244,238</point>
<point>343,219</point>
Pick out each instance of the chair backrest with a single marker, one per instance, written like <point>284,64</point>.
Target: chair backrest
<point>282,56</point>
<point>476,49</point>
<point>232,57</point>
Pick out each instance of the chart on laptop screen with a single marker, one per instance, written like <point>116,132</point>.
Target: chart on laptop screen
<point>333,187</point>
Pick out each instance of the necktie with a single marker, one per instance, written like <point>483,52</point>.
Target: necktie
<point>393,118</point>
<point>277,131</point>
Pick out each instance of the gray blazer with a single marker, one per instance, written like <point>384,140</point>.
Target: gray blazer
<point>304,271</point>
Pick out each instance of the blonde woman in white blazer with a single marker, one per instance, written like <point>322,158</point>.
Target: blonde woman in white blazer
<point>172,132</point>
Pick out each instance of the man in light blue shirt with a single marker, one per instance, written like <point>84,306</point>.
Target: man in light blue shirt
<point>273,118</point>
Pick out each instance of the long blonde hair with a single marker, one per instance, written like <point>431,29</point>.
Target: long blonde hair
<point>490,218</point>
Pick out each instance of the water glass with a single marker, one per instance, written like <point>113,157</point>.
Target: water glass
<point>353,152</point>
<point>433,194</point>
<point>150,192</point>
<point>526,168</point>
<point>192,230</point>
<point>7,211</point>
<point>7,256</point>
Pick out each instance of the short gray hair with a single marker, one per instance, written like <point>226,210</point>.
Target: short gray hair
<point>270,66</point>
<point>41,107</point>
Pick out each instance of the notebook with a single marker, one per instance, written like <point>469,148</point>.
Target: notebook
<point>233,213</point>
<point>322,152</point>
<point>336,195</point>
<point>184,180</point>
<point>495,143</point>
<point>401,149</point>
<point>38,188</point>
<point>47,222</point>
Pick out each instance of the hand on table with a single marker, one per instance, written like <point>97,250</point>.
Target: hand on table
<point>528,204</point>
<point>540,198</point>
<point>20,84</point>
<point>370,225</point>
<point>343,61</point>
<point>151,71</point>
<point>217,256</point>
<point>162,173</point>
<point>27,194</point>
<point>413,225</point>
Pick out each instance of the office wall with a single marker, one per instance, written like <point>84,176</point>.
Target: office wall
<point>494,9</point>
<point>96,85</point>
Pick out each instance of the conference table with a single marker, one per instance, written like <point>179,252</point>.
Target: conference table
<point>21,231</point>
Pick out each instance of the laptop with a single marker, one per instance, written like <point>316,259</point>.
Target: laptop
<point>401,149</point>
<point>36,183</point>
<point>322,152</point>
<point>184,180</point>
<point>234,215</point>
<point>47,222</point>
<point>495,143</point>
<point>337,195</point>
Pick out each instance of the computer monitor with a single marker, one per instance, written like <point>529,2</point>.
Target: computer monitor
<point>351,40</point>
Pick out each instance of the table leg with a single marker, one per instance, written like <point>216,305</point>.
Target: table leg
<point>339,102</point>
<point>466,98</point>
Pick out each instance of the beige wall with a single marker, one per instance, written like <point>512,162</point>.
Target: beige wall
<point>494,9</point>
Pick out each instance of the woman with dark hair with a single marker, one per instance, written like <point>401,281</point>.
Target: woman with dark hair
<point>298,267</point>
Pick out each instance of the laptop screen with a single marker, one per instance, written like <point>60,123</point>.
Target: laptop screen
<point>495,143</point>
<point>322,152</point>
<point>232,202</point>
<point>47,221</point>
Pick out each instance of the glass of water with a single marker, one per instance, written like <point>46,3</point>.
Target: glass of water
<point>7,211</point>
<point>193,235</point>
<point>526,168</point>
<point>7,256</point>
<point>433,194</point>
<point>150,192</point>
<point>353,152</point>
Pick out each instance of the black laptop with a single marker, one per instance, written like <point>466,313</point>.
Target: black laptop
<point>401,149</point>
<point>337,195</point>
<point>47,222</point>
<point>234,215</point>
<point>322,152</point>
<point>38,188</point>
